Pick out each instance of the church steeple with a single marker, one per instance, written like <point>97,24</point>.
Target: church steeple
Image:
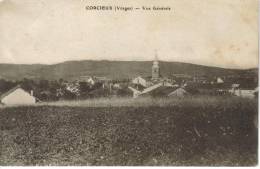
<point>155,68</point>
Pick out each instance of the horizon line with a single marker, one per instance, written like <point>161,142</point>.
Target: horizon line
<point>111,60</point>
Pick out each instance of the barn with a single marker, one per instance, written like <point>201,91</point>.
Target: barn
<point>17,96</point>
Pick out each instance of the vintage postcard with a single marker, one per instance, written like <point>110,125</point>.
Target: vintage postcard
<point>129,83</point>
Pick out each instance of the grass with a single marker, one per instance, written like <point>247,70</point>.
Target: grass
<point>215,131</point>
<point>198,101</point>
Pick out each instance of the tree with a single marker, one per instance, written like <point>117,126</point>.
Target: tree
<point>6,85</point>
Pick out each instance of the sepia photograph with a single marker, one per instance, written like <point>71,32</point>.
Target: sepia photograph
<point>129,83</point>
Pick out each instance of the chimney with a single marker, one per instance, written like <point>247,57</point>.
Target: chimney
<point>31,92</point>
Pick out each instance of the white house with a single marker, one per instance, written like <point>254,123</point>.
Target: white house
<point>243,92</point>
<point>17,96</point>
<point>116,86</point>
<point>140,80</point>
<point>91,81</point>
<point>219,80</point>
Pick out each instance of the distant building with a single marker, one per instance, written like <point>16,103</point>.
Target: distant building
<point>200,79</point>
<point>140,81</point>
<point>180,78</point>
<point>88,79</point>
<point>145,86</point>
<point>152,88</point>
<point>17,96</point>
<point>219,80</point>
<point>91,81</point>
<point>117,86</point>
<point>101,79</point>
<point>73,87</point>
<point>155,69</point>
<point>155,78</point>
<point>136,93</point>
<point>239,90</point>
<point>168,84</point>
<point>160,89</point>
<point>180,92</point>
<point>243,93</point>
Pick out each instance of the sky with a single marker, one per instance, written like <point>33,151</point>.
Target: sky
<point>222,33</point>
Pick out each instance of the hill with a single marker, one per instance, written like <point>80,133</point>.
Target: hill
<point>112,69</point>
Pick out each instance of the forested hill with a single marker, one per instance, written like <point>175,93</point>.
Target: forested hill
<point>111,69</point>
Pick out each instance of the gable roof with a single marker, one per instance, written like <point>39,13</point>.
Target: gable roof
<point>163,90</point>
<point>142,77</point>
<point>160,91</point>
<point>133,89</point>
<point>101,78</point>
<point>181,90</point>
<point>12,90</point>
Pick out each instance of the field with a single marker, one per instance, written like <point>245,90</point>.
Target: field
<point>215,131</point>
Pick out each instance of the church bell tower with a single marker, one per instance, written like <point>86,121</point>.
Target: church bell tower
<point>155,68</point>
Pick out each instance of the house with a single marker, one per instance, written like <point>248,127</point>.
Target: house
<point>156,85</point>
<point>167,84</point>
<point>151,88</point>
<point>17,96</point>
<point>179,92</point>
<point>140,81</point>
<point>180,78</point>
<point>101,79</point>
<point>73,87</point>
<point>136,93</point>
<point>219,80</point>
<point>158,89</point>
<point>200,79</point>
<point>117,86</point>
<point>242,91</point>
<point>89,79</point>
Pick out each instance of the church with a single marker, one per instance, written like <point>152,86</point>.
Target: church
<point>156,85</point>
<point>154,79</point>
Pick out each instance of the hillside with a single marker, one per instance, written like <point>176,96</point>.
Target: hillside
<point>112,69</point>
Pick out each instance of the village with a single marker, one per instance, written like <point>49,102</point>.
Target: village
<point>85,87</point>
<point>90,86</point>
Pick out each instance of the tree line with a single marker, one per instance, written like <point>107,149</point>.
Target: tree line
<point>51,90</point>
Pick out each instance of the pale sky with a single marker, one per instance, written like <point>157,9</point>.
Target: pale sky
<point>220,33</point>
